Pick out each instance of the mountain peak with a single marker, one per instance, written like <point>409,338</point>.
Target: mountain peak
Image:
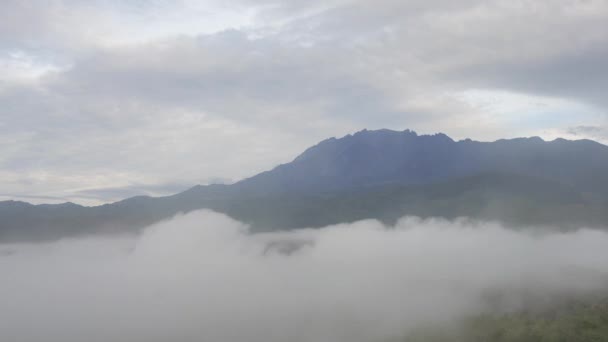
<point>362,137</point>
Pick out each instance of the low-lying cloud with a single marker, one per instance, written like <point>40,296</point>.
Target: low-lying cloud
<point>203,277</point>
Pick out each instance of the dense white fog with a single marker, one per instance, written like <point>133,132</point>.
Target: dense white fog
<point>202,277</point>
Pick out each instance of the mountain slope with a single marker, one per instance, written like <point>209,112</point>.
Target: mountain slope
<point>371,174</point>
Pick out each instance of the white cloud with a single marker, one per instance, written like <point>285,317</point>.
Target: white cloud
<point>201,276</point>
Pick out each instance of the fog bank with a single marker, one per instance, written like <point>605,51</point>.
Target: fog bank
<point>203,277</point>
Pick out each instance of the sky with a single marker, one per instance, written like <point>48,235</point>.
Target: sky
<point>104,99</point>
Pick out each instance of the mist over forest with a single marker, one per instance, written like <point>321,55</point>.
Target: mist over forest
<point>204,276</point>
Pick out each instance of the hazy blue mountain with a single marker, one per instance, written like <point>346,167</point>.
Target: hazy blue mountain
<point>371,174</point>
<point>370,158</point>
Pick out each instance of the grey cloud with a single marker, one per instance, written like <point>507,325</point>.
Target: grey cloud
<point>63,29</point>
<point>578,75</point>
<point>49,29</point>
<point>591,132</point>
<point>585,130</point>
<point>26,197</point>
<point>553,48</point>
<point>228,74</point>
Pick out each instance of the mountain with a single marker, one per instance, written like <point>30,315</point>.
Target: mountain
<point>380,174</point>
<point>370,158</point>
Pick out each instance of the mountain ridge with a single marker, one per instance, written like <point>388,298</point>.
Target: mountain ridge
<point>397,150</point>
<point>380,174</point>
<point>302,156</point>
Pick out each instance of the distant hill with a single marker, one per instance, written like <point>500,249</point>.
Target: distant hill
<point>371,174</point>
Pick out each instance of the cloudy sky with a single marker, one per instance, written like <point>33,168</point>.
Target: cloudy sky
<point>100,100</point>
